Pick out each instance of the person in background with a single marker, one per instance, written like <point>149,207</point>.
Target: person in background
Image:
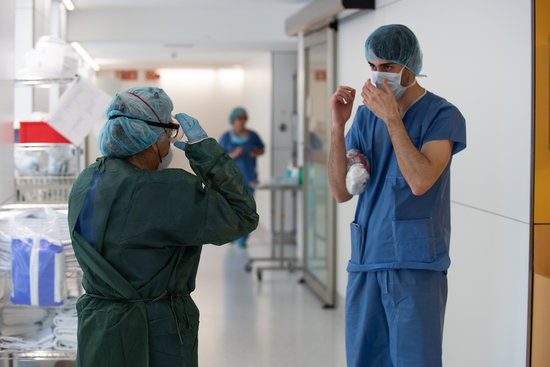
<point>137,231</point>
<point>244,146</point>
<point>397,282</point>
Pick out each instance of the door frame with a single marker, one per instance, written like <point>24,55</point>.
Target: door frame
<point>326,292</point>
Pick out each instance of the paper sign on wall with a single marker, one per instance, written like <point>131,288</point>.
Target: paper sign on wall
<point>78,110</point>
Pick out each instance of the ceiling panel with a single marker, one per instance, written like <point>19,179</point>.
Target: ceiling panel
<point>165,33</point>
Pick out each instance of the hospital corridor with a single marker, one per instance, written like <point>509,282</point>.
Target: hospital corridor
<point>274,183</point>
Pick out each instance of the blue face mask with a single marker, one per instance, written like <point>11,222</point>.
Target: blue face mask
<point>237,139</point>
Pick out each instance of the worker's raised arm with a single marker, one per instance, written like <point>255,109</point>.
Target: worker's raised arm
<point>229,210</point>
<point>420,168</point>
<point>341,104</point>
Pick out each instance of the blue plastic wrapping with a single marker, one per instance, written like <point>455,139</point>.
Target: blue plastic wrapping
<point>37,272</point>
<point>37,259</point>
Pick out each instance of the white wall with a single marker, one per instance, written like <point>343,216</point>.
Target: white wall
<point>478,56</point>
<point>7,15</point>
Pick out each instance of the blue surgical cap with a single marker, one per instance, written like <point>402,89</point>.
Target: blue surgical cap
<point>236,112</point>
<point>397,43</point>
<point>125,133</point>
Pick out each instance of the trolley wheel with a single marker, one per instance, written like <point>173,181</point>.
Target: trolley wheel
<point>291,267</point>
<point>259,275</point>
<point>248,267</point>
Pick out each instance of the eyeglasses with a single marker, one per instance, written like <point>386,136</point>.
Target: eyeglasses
<point>172,130</point>
<point>174,134</point>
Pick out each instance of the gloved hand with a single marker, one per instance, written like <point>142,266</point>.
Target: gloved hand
<point>180,144</point>
<point>191,128</point>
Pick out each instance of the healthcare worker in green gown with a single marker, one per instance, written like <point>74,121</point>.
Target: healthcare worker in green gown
<point>137,231</point>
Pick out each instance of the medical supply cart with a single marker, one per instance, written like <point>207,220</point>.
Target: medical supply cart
<point>280,189</point>
<point>45,172</point>
<point>37,331</point>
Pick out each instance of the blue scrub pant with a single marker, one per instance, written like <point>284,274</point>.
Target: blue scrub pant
<point>394,318</point>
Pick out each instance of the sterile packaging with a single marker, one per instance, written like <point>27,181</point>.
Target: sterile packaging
<point>51,57</point>
<point>358,173</point>
<point>38,272</point>
<point>37,259</point>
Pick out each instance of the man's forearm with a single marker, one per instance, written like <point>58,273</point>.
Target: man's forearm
<point>337,165</point>
<point>417,169</point>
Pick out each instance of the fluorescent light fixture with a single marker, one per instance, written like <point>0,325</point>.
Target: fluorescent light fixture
<point>85,55</point>
<point>68,5</point>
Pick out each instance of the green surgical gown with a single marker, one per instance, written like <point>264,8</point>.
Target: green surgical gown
<point>137,235</point>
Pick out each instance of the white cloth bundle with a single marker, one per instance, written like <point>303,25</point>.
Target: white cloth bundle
<point>44,339</point>
<point>65,324</point>
<point>65,338</point>
<point>358,173</point>
<point>23,315</point>
<point>25,322</point>
<point>5,245</point>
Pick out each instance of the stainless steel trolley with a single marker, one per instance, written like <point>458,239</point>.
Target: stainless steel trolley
<point>279,235</point>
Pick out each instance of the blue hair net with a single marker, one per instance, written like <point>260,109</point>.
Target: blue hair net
<point>236,112</point>
<point>397,43</point>
<point>125,133</point>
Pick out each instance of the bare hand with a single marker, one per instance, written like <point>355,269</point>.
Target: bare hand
<point>341,104</point>
<point>380,102</point>
<point>256,152</point>
<point>237,152</point>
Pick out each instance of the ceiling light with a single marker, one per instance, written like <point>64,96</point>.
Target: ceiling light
<point>85,55</point>
<point>178,45</point>
<point>68,5</point>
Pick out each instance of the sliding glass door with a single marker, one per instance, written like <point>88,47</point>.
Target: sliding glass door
<point>319,223</point>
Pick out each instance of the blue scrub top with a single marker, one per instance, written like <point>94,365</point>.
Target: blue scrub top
<point>246,164</point>
<point>393,228</point>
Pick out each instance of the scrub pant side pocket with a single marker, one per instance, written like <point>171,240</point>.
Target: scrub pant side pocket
<point>357,243</point>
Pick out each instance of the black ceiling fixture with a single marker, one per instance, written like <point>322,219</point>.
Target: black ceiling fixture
<point>358,4</point>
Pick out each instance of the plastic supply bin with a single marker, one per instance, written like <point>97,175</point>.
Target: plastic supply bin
<point>39,132</point>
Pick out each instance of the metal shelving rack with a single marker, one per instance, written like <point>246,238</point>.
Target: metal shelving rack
<point>73,284</point>
<point>45,172</point>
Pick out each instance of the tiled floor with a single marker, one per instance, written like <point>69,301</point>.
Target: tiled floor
<point>277,322</point>
<point>273,323</point>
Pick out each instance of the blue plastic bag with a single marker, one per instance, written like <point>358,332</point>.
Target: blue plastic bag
<point>37,272</point>
<point>37,259</point>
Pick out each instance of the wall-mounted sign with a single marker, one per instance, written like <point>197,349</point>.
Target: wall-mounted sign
<point>152,75</point>
<point>320,75</point>
<point>127,74</point>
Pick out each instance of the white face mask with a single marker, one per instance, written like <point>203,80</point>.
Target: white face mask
<point>394,82</point>
<point>166,160</point>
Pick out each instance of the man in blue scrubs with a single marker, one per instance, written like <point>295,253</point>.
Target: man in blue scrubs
<point>397,285</point>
